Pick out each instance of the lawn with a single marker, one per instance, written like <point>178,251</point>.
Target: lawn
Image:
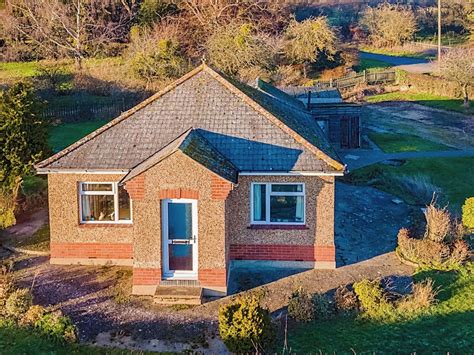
<point>15,340</point>
<point>440,102</point>
<point>446,327</point>
<point>17,70</point>
<point>394,52</point>
<point>395,143</point>
<point>367,64</point>
<point>65,134</point>
<point>454,176</point>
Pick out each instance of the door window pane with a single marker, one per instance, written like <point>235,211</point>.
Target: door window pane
<point>181,257</point>
<point>97,208</point>
<point>259,210</point>
<point>286,209</point>
<point>123,204</point>
<point>180,221</point>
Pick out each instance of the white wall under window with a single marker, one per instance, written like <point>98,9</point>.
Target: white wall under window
<point>104,202</point>
<point>277,203</point>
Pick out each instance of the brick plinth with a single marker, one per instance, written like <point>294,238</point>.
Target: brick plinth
<point>213,277</point>
<point>146,276</point>
<point>136,187</point>
<point>220,188</point>
<point>91,251</point>
<point>282,252</point>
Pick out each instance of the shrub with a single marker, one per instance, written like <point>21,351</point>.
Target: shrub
<point>7,210</point>
<point>32,315</point>
<point>346,301</point>
<point>373,300</point>
<point>300,306</point>
<point>57,326</point>
<point>468,213</point>
<point>423,296</point>
<point>18,302</point>
<point>323,306</point>
<point>245,326</point>
<point>438,223</point>
<point>459,253</point>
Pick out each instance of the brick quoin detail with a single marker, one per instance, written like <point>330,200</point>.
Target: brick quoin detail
<point>179,193</point>
<point>282,252</point>
<point>220,188</point>
<point>212,277</point>
<point>136,187</point>
<point>92,250</point>
<point>146,276</point>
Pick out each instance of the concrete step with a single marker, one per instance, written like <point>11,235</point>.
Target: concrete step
<point>178,295</point>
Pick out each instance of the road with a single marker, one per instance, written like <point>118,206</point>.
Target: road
<point>412,65</point>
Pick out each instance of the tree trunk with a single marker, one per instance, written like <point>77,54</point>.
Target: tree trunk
<point>305,71</point>
<point>78,63</point>
<point>465,96</point>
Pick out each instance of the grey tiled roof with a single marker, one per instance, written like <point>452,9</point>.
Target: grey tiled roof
<point>227,119</point>
<point>195,146</point>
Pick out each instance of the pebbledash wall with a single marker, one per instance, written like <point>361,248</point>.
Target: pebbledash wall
<point>224,231</point>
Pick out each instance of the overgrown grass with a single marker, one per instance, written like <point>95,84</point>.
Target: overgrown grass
<point>453,176</point>
<point>439,102</point>
<point>65,134</point>
<point>448,326</point>
<point>395,143</point>
<point>367,64</point>
<point>17,70</point>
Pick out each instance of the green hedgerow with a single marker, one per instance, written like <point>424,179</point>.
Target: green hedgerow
<point>245,326</point>
<point>373,299</point>
<point>468,213</point>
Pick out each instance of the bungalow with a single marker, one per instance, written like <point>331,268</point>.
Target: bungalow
<point>202,174</point>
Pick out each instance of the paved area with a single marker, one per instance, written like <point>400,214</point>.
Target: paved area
<point>412,65</point>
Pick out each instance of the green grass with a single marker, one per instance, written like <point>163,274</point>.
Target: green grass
<point>454,176</point>
<point>395,143</point>
<point>435,101</point>
<point>65,134</point>
<point>18,70</point>
<point>368,64</point>
<point>446,327</point>
<point>15,340</point>
<point>394,53</point>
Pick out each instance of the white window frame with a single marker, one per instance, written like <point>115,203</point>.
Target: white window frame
<point>114,193</point>
<point>268,193</point>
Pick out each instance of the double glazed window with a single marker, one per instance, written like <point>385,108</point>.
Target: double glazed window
<point>104,202</point>
<point>277,203</point>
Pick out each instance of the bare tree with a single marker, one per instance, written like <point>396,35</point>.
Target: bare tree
<point>75,27</point>
<point>457,65</point>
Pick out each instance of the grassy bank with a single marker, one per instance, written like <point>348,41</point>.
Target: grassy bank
<point>439,102</point>
<point>367,64</point>
<point>65,134</point>
<point>448,326</point>
<point>396,143</point>
<point>394,52</point>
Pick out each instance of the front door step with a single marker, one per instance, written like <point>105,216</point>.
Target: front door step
<point>178,295</point>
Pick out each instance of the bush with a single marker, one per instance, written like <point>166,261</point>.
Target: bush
<point>245,326</point>
<point>438,223</point>
<point>18,303</point>
<point>300,306</point>
<point>346,301</point>
<point>7,211</point>
<point>323,306</point>
<point>57,326</point>
<point>373,300</point>
<point>423,296</point>
<point>32,315</point>
<point>468,213</point>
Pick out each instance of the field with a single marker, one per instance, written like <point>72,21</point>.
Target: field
<point>395,143</point>
<point>447,327</point>
<point>368,64</point>
<point>439,102</point>
<point>65,134</point>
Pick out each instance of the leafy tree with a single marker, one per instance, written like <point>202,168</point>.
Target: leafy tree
<point>23,134</point>
<point>152,11</point>
<point>237,46</point>
<point>307,40</point>
<point>458,65</point>
<point>389,25</point>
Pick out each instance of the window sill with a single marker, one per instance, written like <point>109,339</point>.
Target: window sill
<point>278,226</point>
<point>105,225</point>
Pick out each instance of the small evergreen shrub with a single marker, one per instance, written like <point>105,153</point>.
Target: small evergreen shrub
<point>300,306</point>
<point>346,301</point>
<point>245,326</point>
<point>32,315</point>
<point>468,213</point>
<point>57,326</point>
<point>323,306</point>
<point>373,300</point>
<point>18,303</point>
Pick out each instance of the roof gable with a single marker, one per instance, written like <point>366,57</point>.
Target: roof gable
<point>242,123</point>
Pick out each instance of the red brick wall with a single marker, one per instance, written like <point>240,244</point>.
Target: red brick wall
<point>212,277</point>
<point>179,193</point>
<point>92,250</point>
<point>220,188</point>
<point>146,276</point>
<point>136,187</point>
<point>282,252</point>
